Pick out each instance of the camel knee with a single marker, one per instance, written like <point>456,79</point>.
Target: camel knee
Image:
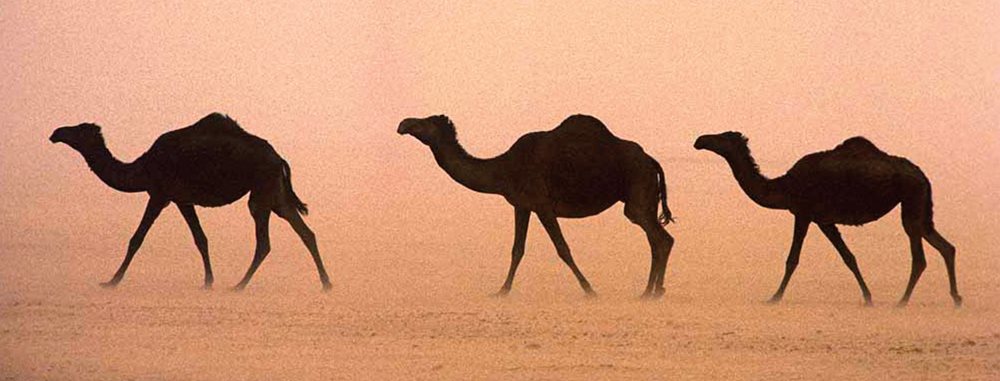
<point>135,242</point>
<point>564,254</point>
<point>517,252</point>
<point>263,249</point>
<point>307,235</point>
<point>663,243</point>
<point>657,235</point>
<point>850,261</point>
<point>202,243</point>
<point>919,264</point>
<point>791,262</point>
<point>668,240</point>
<point>947,251</point>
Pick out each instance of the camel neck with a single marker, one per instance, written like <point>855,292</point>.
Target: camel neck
<point>480,175</point>
<point>762,190</point>
<point>124,177</point>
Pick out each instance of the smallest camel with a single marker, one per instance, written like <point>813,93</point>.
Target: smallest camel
<point>852,184</point>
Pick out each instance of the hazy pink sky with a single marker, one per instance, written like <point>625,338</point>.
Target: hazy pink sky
<point>327,85</point>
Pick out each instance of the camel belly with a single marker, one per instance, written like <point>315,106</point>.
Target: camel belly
<point>842,210</point>
<point>212,194</point>
<point>206,185</point>
<point>569,210</point>
<point>195,177</point>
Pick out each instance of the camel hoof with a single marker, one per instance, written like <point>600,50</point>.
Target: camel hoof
<point>868,303</point>
<point>774,300</point>
<point>590,294</point>
<point>238,288</point>
<point>958,301</point>
<point>207,286</point>
<point>501,294</point>
<point>902,304</point>
<point>327,286</point>
<point>653,295</point>
<point>109,284</point>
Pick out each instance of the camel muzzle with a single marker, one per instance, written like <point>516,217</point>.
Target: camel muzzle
<point>406,125</point>
<point>699,144</point>
<point>55,138</point>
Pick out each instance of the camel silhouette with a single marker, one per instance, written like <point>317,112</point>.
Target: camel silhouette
<point>212,163</point>
<point>576,170</point>
<point>853,184</point>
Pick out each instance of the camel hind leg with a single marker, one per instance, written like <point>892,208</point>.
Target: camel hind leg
<point>948,252</point>
<point>289,213</point>
<point>289,207</point>
<point>640,208</point>
<point>918,222</point>
<point>914,222</point>
<point>660,243</point>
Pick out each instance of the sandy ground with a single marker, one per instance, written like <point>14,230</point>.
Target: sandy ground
<point>424,316</point>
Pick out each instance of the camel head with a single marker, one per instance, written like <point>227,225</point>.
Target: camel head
<point>724,144</point>
<point>430,131</point>
<point>82,136</point>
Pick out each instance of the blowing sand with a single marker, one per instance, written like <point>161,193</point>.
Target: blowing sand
<point>413,256</point>
<point>431,317</point>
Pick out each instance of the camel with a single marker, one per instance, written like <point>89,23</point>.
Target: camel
<point>212,163</point>
<point>578,169</point>
<point>853,184</point>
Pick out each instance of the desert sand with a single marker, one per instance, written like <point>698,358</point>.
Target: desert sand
<point>421,308</point>
<point>414,257</point>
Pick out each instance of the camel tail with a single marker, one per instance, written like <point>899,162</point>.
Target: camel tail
<point>665,217</point>
<point>293,198</point>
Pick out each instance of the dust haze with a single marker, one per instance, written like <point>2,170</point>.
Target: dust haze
<point>413,256</point>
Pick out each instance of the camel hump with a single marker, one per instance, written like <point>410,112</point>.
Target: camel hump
<point>218,122</point>
<point>858,144</point>
<point>583,125</point>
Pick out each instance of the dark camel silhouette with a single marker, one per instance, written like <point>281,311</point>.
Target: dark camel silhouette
<point>213,162</point>
<point>576,170</point>
<point>853,184</point>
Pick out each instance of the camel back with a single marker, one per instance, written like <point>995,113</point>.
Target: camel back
<point>583,127</point>
<point>219,123</point>
<point>204,133</point>
<point>858,146</point>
